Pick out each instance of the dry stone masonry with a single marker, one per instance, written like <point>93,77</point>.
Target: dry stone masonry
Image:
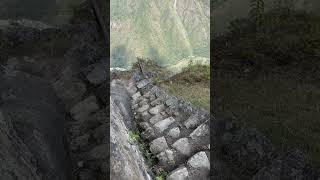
<point>178,134</point>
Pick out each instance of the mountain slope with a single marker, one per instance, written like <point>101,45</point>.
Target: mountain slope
<point>156,30</point>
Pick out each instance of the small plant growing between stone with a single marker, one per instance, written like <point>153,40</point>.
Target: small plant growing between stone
<point>156,80</point>
<point>144,148</point>
<point>160,173</point>
<point>134,136</point>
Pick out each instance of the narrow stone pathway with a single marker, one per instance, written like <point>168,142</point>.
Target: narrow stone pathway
<point>178,133</point>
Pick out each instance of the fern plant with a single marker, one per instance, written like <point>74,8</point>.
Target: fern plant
<point>256,13</point>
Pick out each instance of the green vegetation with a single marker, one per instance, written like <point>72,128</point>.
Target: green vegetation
<point>134,137</point>
<point>197,94</point>
<point>161,176</point>
<point>154,29</point>
<point>194,73</point>
<point>192,84</point>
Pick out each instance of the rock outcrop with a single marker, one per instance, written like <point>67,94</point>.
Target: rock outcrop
<point>125,156</point>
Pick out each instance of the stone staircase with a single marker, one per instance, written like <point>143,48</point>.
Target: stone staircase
<point>179,134</point>
<point>179,137</point>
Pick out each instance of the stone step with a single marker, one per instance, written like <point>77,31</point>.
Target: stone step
<point>141,84</point>
<point>197,167</point>
<point>193,121</point>
<point>177,152</point>
<point>178,134</point>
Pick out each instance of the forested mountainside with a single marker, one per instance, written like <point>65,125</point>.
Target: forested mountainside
<point>225,11</point>
<point>165,31</point>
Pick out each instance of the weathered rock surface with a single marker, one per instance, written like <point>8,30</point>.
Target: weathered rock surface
<point>157,109</point>
<point>200,162</point>
<point>164,124</point>
<point>158,145</point>
<point>166,157</point>
<point>174,132</point>
<point>183,146</point>
<point>143,83</point>
<point>126,160</point>
<point>156,118</point>
<point>179,174</point>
